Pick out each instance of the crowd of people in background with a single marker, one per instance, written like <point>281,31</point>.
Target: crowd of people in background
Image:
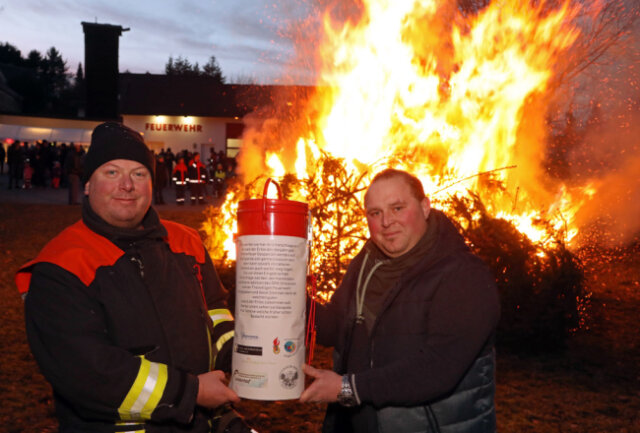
<point>45,164</point>
<point>193,177</point>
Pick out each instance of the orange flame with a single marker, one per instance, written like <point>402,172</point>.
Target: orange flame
<point>450,98</point>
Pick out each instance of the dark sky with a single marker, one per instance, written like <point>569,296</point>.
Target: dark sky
<point>248,37</point>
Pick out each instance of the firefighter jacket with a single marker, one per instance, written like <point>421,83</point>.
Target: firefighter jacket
<point>121,322</point>
<point>426,363</point>
<point>198,172</point>
<point>180,174</point>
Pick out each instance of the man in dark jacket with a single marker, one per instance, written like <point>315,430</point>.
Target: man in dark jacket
<point>3,154</point>
<point>162,179</point>
<point>412,323</point>
<point>125,313</point>
<point>73,170</point>
<point>15,161</point>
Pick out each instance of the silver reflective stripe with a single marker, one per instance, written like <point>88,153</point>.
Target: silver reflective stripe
<point>136,427</point>
<point>147,390</point>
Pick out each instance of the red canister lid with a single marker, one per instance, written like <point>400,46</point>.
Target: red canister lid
<point>277,217</point>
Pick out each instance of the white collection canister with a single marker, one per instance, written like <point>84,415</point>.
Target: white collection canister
<point>271,269</point>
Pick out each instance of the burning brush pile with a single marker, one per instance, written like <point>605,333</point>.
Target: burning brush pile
<point>460,95</point>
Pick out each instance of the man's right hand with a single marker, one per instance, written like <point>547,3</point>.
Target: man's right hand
<point>324,388</point>
<point>213,390</point>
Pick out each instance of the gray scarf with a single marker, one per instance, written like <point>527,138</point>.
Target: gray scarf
<point>378,273</point>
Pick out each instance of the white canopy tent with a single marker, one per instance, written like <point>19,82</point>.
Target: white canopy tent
<point>34,133</point>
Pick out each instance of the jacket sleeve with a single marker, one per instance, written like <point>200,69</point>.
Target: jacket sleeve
<point>459,322</point>
<point>222,318</point>
<point>67,333</point>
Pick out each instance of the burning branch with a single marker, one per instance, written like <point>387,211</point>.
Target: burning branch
<point>542,290</point>
<point>337,219</point>
<point>484,173</point>
<point>602,30</point>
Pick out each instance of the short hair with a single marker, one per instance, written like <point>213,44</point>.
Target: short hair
<point>415,186</point>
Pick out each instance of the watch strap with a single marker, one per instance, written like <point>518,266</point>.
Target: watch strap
<point>347,396</point>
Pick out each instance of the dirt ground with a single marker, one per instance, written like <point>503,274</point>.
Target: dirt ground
<point>593,386</point>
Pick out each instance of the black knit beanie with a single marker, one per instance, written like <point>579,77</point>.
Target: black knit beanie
<point>113,140</point>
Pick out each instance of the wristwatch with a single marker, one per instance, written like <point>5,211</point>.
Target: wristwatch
<point>346,396</point>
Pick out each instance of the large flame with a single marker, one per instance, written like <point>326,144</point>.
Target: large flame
<point>456,98</point>
<point>460,100</point>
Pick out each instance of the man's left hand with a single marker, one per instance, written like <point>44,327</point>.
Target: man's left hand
<point>325,387</point>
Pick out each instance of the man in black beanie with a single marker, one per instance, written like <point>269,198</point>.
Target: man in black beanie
<point>112,140</point>
<point>125,313</point>
<point>118,174</point>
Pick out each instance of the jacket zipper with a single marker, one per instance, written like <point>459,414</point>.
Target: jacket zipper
<point>138,262</point>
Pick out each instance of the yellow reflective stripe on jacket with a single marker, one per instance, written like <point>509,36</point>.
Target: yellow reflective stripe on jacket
<point>135,425</point>
<point>223,339</point>
<point>212,357</point>
<point>146,391</point>
<point>220,342</point>
<point>220,315</point>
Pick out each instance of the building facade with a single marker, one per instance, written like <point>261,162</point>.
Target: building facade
<point>193,113</point>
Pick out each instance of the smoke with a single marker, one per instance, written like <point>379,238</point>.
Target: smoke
<point>609,161</point>
<point>606,154</point>
<point>611,218</point>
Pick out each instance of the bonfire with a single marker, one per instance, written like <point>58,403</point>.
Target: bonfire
<point>459,97</point>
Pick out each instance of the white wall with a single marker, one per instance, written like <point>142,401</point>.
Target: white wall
<point>33,129</point>
<point>177,132</point>
<point>181,132</point>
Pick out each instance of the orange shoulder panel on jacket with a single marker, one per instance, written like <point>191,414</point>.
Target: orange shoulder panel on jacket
<point>183,239</point>
<point>76,249</point>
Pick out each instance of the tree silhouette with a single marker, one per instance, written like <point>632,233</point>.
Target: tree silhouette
<point>54,74</point>
<point>10,54</point>
<point>43,82</point>
<point>212,69</point>
<point>182,66</point>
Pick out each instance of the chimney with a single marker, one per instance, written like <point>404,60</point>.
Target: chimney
<point>101,69</point>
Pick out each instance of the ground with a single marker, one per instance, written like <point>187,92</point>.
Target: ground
<point>592,386</point>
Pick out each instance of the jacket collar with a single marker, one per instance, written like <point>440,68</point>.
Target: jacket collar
<point>152,228</point>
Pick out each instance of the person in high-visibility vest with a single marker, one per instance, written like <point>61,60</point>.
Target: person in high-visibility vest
<point>198,178</point>
<point>124,311</point>
<point>219,181</point>
<point>180,178</point>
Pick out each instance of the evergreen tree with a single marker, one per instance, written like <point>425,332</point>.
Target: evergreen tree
<point>181,66</point>
<point>54,73</point>
<point>79,74</point>
<point>169,69</point>
<point>34,61</point>
<point>10,54</point>
<point>42,81</point>
<point>212,69</point>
